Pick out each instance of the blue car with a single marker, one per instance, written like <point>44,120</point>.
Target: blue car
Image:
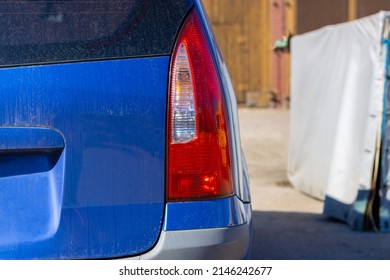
<point>119,134</point>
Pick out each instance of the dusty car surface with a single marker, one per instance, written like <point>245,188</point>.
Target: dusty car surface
<point>118,134</point>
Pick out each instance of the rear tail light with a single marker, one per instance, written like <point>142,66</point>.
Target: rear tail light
<point>199,163</point>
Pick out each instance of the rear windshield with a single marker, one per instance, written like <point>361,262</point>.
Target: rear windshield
<point>34,31</point>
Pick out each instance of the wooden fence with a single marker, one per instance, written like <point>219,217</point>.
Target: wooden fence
<point>242,30</point>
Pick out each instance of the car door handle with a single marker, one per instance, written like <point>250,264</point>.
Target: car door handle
<point>28,150</point>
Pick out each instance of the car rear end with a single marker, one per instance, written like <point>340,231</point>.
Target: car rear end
<point>118,134</point>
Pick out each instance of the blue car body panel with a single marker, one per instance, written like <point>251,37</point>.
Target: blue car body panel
<point>226,212</point>
<point>95,134</point>
<point>83,146</point>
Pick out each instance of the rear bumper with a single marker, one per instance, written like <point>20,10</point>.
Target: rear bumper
<point>218,243</point>
<point>228,242</point>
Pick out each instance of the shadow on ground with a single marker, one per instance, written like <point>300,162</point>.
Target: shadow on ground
<point>303,236</point>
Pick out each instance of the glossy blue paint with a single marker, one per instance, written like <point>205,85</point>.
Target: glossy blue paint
<point>224,212</point>
<point>91,232</point>
<point>24,138</point>
<point>103,194</point>
<point>30,206</point>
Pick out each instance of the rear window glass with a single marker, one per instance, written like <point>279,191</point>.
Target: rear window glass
<point>40,31</point>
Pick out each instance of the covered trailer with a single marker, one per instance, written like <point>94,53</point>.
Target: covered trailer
<point>340,120</point>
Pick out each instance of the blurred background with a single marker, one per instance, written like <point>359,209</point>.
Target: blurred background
<point>254,38</point>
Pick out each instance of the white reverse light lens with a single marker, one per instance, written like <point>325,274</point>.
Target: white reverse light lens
<point>182,99</point>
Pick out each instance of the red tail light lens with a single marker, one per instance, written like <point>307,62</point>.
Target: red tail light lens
<point>199,163</point>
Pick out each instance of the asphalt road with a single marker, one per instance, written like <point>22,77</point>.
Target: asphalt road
<point>286,223</point>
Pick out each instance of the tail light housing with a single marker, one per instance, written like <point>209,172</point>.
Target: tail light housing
<point>199,164</point>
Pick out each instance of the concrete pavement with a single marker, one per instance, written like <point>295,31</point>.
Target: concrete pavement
<point>288,224</point>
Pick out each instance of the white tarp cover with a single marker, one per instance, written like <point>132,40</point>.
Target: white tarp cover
<point>337,87</point>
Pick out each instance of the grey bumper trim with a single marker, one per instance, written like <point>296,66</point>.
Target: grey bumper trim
<point>201,244</point>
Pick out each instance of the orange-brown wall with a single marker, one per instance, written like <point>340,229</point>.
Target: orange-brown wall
<point>242,30</point>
